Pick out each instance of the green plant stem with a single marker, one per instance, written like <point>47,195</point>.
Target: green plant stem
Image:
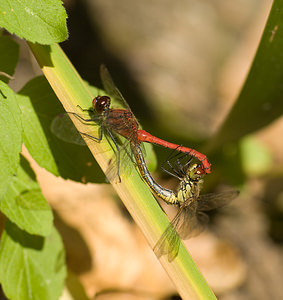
<point>71,91</point>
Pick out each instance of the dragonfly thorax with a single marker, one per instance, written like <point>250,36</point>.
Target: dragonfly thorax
<point>191,184</point>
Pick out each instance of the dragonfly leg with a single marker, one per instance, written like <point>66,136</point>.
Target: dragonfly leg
<point>174,172</point>
<point>91,137</point>
<point>96,139</point>
<point>84,109</point>
<point>177,169</point>
<point>80,117</point>
<point>117,153</point>
<point>181,167</point>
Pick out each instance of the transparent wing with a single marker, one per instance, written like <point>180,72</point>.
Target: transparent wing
<point>168,244</point>
<point>193,220</point>
<point>126,162</point>
<point>187,225</point>
<point>183,224</point>
<point>211,201</point>
<point>190,221</point>
<point>111,88</point>
<point>64,129</point>
<point>120,163</point>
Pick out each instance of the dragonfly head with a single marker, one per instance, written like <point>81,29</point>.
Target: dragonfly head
<point>196,172</point>
<point>101,104</point>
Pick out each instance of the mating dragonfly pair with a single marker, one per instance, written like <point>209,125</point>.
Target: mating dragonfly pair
<point>122,122</point>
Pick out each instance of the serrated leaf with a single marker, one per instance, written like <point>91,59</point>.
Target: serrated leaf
<point>40,21</point>
<point>9,55</point>
<point>39,107</point>
<point>10,136</point>
<point>24,203</point>
<point>31,267</point>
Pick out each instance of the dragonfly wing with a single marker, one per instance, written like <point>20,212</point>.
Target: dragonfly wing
<point>188,225</point>
<point>168,244</point>
<point>64,129</point>
<point>121,162</point>
<point>211,201</point>
<point>111,88</point>
<point>203,220</point>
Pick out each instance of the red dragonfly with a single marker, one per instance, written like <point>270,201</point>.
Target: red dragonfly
<point>122,122</point>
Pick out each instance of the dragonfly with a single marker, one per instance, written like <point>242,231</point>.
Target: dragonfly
<point>191,218</point>
<point>119,121</point>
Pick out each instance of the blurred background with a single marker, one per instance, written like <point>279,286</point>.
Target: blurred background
<point>180,65</point>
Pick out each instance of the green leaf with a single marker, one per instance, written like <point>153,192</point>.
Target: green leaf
<point>31,267</point>
<point>9,55</point>
<point>39,107</point>
<point>24,203</point>
<point>261,99</point>
<point>10,136</point>
<point>34,137</point>
<point>41,21</point>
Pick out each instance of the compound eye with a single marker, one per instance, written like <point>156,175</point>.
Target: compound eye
<point>100,104</point>
<point>200,171</point>
<point>197,172</point>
